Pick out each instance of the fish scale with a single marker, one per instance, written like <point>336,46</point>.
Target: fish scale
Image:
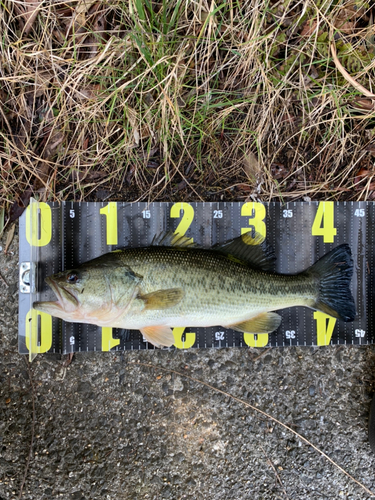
<point>214,286</point>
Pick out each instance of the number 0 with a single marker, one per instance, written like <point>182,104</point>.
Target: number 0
<point>38,224</point>
<point>31,334</point>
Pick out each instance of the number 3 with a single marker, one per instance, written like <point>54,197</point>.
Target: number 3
<point>257,213</point>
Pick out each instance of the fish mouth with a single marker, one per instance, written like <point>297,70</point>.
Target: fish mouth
<point>55,289</point>
<point>66,301</point>
<point>64,295</point>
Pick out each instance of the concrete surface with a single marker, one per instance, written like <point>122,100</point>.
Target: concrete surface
<point>108,429</point>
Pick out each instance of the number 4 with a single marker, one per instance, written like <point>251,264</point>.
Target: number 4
<point>324,222</point>
<point>324,327</point>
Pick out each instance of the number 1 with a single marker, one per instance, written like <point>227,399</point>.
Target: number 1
<point>108,342</point>
<point>110,212</point>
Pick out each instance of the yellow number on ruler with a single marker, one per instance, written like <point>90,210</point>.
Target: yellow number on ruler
<point>324,327</point>
<point>257,213</point>
<point>38,224</point>
<point>255,340</point>
<point>108,342</point>
<point>181,344</point>
<point>110,212</point>
<point>32,333</point>
<point>187,217</point>
<point>324,222</point>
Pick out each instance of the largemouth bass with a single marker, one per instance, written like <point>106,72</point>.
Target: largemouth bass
<point>173,283</point>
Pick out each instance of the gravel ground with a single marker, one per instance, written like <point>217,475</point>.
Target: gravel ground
<point>107,427</point>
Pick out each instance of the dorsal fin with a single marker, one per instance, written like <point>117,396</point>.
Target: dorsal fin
<point>251,250</point>
<point>171,239</point>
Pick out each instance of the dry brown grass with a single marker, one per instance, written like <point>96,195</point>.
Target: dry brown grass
<point>183,99</point>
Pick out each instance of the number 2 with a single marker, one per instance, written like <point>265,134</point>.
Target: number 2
<point>187,217</point>
<point>183,344</point>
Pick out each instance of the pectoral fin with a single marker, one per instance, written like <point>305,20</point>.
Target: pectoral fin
<point>162,299</point>
<point>158,335</point>
<point>263,323</point>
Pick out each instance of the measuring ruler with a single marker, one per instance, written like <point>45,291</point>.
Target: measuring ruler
<point>60,236</point>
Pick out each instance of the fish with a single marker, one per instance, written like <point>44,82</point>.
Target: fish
<point>176,283</point>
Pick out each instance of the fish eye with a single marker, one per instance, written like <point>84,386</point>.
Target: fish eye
<point>72,277</point>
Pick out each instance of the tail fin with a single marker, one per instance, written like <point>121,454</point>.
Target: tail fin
<point>334,272</point>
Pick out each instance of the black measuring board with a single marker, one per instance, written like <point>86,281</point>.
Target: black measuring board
<point>60,236</point>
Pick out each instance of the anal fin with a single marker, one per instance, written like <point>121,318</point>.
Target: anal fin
<point>159,336</point>
<point>262,323</point>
